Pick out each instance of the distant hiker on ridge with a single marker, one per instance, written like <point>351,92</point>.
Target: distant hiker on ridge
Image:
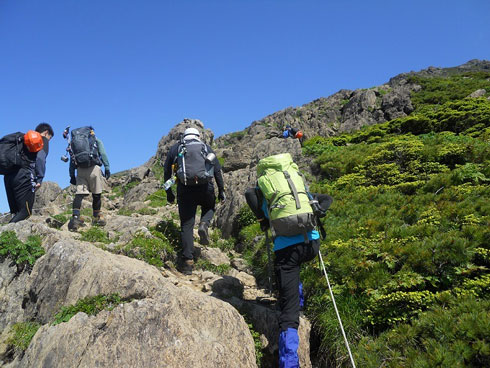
<point>23,162</point>
<point>87,154</point>
<point>290,132</point>
<point>282,203</point>
<point>194,164</point>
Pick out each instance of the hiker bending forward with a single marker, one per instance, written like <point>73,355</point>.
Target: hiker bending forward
<point>87,154</point>
<point>195,164</point>
<point>281,190</point>
<point>22,183</point>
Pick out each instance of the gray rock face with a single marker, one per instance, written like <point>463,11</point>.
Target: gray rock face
<point>166,324</point>
<point>45,198</point>
<point>478,93</point>
<point>173,136</point>
<point>176,330</point>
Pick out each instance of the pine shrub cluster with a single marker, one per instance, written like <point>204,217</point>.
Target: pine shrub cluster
<point>408,235</point>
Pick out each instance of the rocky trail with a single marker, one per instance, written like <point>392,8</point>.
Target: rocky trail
<point>199,320</point>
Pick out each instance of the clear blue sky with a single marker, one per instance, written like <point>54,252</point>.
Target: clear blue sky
<point>134,69</point>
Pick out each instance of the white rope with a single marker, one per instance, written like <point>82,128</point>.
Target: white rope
<point>337,311</point>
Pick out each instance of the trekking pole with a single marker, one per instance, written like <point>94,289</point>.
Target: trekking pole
<point>269,270</point>
<point>336,310</point>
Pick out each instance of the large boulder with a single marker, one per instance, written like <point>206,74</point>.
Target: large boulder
<point>173,136</point>
<point>161,323</point>
<point>45,198</point>
<point>169,330</point>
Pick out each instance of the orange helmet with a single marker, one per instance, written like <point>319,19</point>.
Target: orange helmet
<point>33,141</point>
<point>299,134</point>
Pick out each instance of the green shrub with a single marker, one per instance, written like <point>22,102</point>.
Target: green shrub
<point>439,90</point>
<point>221,269</point>
<point>90,305</point>
<point>155,250</point>
<point>245,217</point>
<point>451,335</point>
<point>23,254</point>
<point>22,334</point>
<point>95,234</point>
<point>170,230</point>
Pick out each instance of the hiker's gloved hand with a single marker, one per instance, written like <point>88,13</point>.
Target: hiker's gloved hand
<point>170,196</point>
<point>221,196</point>
<point>264,224</point>
<point>73,180</point>
<point>107,173</point>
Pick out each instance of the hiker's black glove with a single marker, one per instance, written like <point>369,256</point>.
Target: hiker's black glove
<point>264,224</point>
<point>73,180</point>
<point>221,196</point>
<point>170,196</point>
<point>107,173</point>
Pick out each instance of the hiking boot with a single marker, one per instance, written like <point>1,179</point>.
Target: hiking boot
<point>203,233</point>
<point>75,223</point>
<point>187,267</point>
<point>98,221</point>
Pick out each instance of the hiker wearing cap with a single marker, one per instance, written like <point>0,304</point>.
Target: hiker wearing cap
<point>87,155</point>
<point>22,180</point>
<point>194,164</point>
<point>281,202</point>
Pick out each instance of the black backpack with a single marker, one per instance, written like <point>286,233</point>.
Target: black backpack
<point>192,166</point>
<point>14,154</point>
<point>83,146</point>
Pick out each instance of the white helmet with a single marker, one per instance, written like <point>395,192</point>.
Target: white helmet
<point>191,131</point>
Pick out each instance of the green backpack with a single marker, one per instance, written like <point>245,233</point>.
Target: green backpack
<point>282,185</point>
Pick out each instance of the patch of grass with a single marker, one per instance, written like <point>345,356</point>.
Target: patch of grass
<point>90,305</point>
<point>121,190</point>
<point>86,211</point>
<point>147,211</point>
<point>157,199</point>
<point>22,334</point>
<point>125,211</point>
<point>23,254</point>
<point>157,170</point>
<point>155,250</point>
<point>221,269</point>
<point>95,234</point>
<point>63,218</point>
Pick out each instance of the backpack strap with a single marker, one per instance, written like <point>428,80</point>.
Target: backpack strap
<point>293,189</point>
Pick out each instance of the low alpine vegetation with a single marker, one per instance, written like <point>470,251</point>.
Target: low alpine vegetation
<point>408,239</point>
<point>24,254</point>
<point>95,235</point>
<point>22,334</point>
<point>90,306</point>
<point>154,250</point>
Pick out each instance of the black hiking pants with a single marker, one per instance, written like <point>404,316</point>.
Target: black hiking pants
<point>20,193</point>
<point>188,199</point>
<point>287,264</point>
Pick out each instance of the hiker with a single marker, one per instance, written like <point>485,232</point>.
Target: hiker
<point>22,181</point>
<point>290,132</point>
<point>194,164</point>
<point>282,203</point>
<point>87,155</point>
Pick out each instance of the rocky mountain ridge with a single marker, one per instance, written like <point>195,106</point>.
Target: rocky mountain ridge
<point>161,319</point>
